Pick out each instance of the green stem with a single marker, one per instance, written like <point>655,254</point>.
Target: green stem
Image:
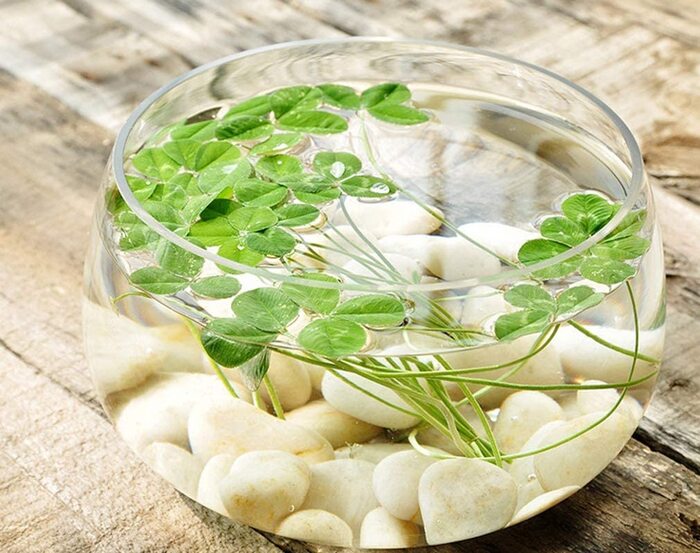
<point>274,398</point>
<point>583,330</point>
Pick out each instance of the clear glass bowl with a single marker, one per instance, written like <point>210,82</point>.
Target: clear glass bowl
<point>430,306</point>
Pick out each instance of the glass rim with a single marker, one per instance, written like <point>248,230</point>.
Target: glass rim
<point>509,274</point>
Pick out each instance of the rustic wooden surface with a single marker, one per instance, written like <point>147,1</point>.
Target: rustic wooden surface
<point>72,70</point>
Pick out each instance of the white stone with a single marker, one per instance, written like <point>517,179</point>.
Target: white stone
<point>327,242</point>
<point>263,487</point>
<point>406,269</point>
<point>395,483</point>
<point>450,258</point>
<point>386,218</point>
<point>542,503</point>
<point>316,526</point>
<point>373,452</point>
<point>591,401</point>
<point>481,304</point>
<point>291,380</point>
<point>576,462</point>
<point>434,438</point>
<point>464,498</point>
<point>235,427</point>
<point>337,427</point>
<point>178,466</point>
<point>381,530</point>
<point>521,414</point>
<point>157,411</point>
<point>584,358</point>
<point>351,401</point>
<point>523,469</point>
<point>343,487</point>
<point>569,406</point>
<point>214,472</point>
<point>543,368</point>
<point>504,240</point>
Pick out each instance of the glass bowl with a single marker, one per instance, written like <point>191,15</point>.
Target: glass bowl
<point>374,293</point>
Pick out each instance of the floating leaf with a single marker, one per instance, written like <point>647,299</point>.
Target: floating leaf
<point>313,298</point>
<point>155,163</point>
<point>314,122</point>
<point>386,93</point>
<point>276,144</point>
<point>398,115</point>
<point>514,325</point>
<point>213,232</point>
<point>274,242</point>
<point>372,309</point>
<point>590,211</point>
<point>605,271</point>
<point>531,297</point>
<point>165,214</point>
<point>219,208</point>
<point>231,342</point>
<point>576,299</point>
<point>336,165</point>
<point>252,218</point>
<point>294,98</point>
<point>313,189</point>
<point>268,309</point>
<point>216,287</point>
<point>201,131</point>
<point>141,188</point>
<point>158,281</point>
<point>254,370</point>
<point>258,105</point>
<point>367,186</point>
<point>182,151</point>
<point>244,127</point>
<point>631,224</point>
<point>214,154</point>
<point>340,96</point>
<point>296,215</point>
<point>235,250</point>
<point>259,193</point>
<point>537,250</point>
<point>622,248</point>
<point>332,337</point>
<point>563,230</point>
<point>278,167</point>
<point>218,177</point>
<point>178,260</point>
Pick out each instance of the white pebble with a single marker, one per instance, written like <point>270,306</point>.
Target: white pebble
<point>316,526</point>
<point>381,530</point>
<point>327,243</point>
<point>351,401</point>
<point>235,427</point>
<point>464,498</point>
<point>338,428</point>
<point>395,482</point>
<point>263,487</point>
<point>178,466</point>
<point>158,410</point>
<point>342,487</point>
<point>373,452</point>
<point>214,472</point>
<point>576,462</point>
<point>450,258</point>
<point>504,240</point>
<point>434,438</point>
<point>386,218</point>
<point>291,381</point>
<point>542,503</point>
<point>481,304</point>
<point>591,401</point>
<point>407,269</point>
<point>521,414</point>
<point>584,358</point>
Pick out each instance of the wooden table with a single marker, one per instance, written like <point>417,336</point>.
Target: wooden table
<point>71,71</point>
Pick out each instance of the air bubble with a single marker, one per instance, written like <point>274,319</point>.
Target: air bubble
<point>337,169</point>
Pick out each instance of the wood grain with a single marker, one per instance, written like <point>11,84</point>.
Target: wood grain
<point>74,69</point>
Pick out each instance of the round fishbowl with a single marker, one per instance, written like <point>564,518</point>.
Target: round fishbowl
<point>375,293</point>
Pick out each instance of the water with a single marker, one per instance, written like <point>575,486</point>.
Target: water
<point>355,424</point>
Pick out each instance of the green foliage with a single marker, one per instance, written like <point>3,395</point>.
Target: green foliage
<point>314,298</point>
<point>232,342</point>
<point>216,287</point>
<point>332,337</point>
<point>268,309</point>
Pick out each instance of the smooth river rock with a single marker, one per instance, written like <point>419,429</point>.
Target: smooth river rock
<point>521,414</point>
<point>331,245</point>
<point>373,452</point>
<point>351,401</point>
<point>578,461</point>
<point>395,483</point>
<point>337,427</point>
<point>481,304</point>
<point>263,487</point>
<point>316,526</point>
<point>504,240</point>
<point>465,498</point>
<point>178,466</point>
<point>543,502</point>
<point>214,472</point>
<point>381,530</point>
<point>343,487</point>
<point>388,218</point>
<point>236,427</point>
<point>157,411</point>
